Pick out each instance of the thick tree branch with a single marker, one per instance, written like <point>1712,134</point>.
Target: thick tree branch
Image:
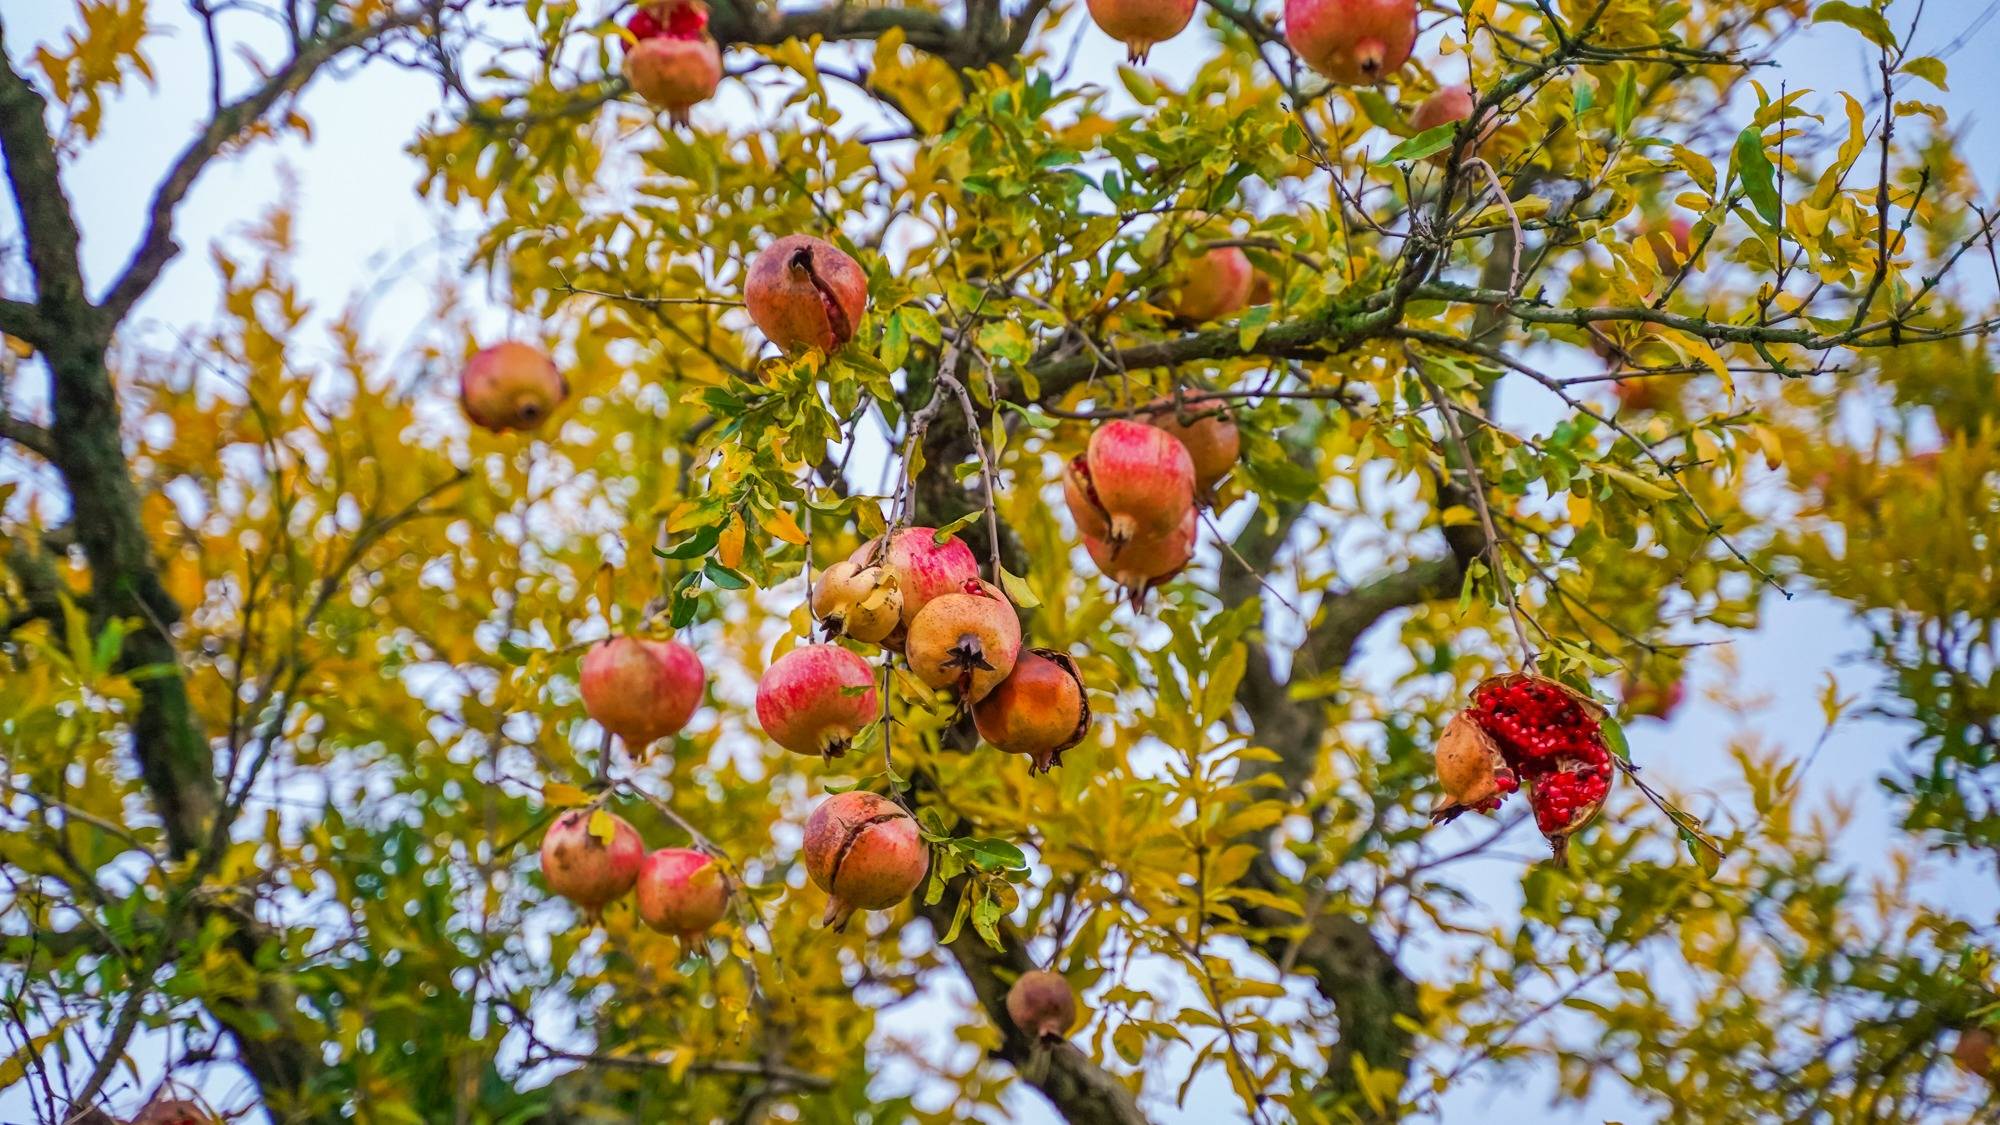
<point>35,439</point>
<point>35,178</point>
<point>21,320</point>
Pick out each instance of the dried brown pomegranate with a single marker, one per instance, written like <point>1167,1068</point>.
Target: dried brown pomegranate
<point>1042,1005</point>
<point>1547,737</point>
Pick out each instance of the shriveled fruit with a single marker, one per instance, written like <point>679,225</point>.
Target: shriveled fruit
<point>967,641</point>
<point>1143,564</point>
<point>675,73</point>
<point>853,599</point>
<point>682,892</point>
<point>1208,432</point>
<point>1215,284</point>
<point>592,858</point>
<point>806,293</point>
<point>641,690</point>
<point>1141,23</point>
<point>1040,709</point>
<point>921,567</point>
<point>511,386</point>
<point>815,699</point>
<point>1471,770</point>
<point>1551,739</point>
<point>1355,42</point>
<point>864,851</point>
<point>1133,481</point>
<point>1042,1005</point>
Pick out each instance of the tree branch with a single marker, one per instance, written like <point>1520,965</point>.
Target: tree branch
<point>35,178</point>
<point>35,439</point>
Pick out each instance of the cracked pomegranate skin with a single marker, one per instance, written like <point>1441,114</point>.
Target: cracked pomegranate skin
<point>1039,710</point>
<point>586,870</point>
<point>641,690</point>
<point>1141,23</point>
<point>805,293</point>
<point>1133,481</point>
<point>865,852</point>
<point>511,386</point>
<point>816,698</point>
<point>681,892</point>
<point>1553,743</point>
<point>1353,42</point>
<point>674,74</point>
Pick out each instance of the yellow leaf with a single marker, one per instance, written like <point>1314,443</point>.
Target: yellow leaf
<point>729,548</point>
<point>558,795</point>
<point>782,525</point>
<point>602,827</point>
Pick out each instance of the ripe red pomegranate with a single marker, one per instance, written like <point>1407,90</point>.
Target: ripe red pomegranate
<point>1978,1052</point>
<point>1209,434</point>
<point>1141,23</point>
<point>676,74</point>
<point>511,386</point>
<point>174,1111</point>
<point>815,699</point>
<point>921,569</point>
<point>1215,285</point>
<point>1551,740</point>
<point>1143,564</point>
<point>1652,699</point>
<point>641,690</point>
<point>682,892</point>
<point>865,852</point>
<point>1133,481</point>
<point>804,293</point>
<point>1353,42</point>
<point>1042,1006</point>
<point>853,599</point>
<point>1040,709</point>
<point>967,641</point>
<point>582,867</point>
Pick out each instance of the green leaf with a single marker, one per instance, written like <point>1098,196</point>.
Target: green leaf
<point>1753,167</point>
<point>1433,140</point>
<point>1583,95</point>
<point>992,855</point>
<point>1614,737</point>
<point>1929,69</point>
<point>1625,101</point>
<point>1706,852</point>
<point>723,577</point>
<point>1032,415</point>
<point>1143,89</point>
<point>1870,23</point>
<point>945,533</point>
<point>1017,590</point>
<point>694,546</point>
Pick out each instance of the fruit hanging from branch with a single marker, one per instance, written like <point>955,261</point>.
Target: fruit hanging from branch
<point>967,641</point>
<point>865,852</point>
<point>674,64</point>
<point>641,690</point>
<point>1548,738</point>
<point>1209,433</point>
<point>682,892</point>
<point>1214,285</point>
<point>1142,564</point>
<point>1042,1005</point>
<point>816,698</point>
<point>921,569</point>
<point>592,858</point>
<point>1133,481</point>
<point>511,386</point>
<point>1141,23</point>
<point>1353,42</point>
<point>1448,106</point>
<point>853,599</point>
<point>1040,709</point>
<point>806,293</point>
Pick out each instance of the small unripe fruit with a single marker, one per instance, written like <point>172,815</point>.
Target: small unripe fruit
<point>1142,564</point>
<point>856,600</point>
<point>806,293</point>
<point>1039,710</point>
<point>641,690</point>
<point>1209,434</point>
<point>674,74</point>
<point>815,699</point>
<point>922,569</point>
<point>511,386</point>
<point>1042,1005</point>
<point>1353,42</point>
<point>865,852</point>
<point>682,892</point>
<point>1141,23</point>
<point>966,641</point>
<point>585,868</point>
<point>1215,285</point>
<point>1133,481</point>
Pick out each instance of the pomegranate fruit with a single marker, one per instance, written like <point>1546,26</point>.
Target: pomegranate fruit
<point>805,293</point>
<point>1215,285</point>
<point>1143,564</point>
<point>1141,23</point>
<point>682,892</point>
<point>1548,737</point>
<point>1353,42</point>
<point>174,1111</point>
<point>1042,1005</point>
<point>815,699</point>
<point>853,599</point>
<point>1449,105</point>
<point>511,386</point>
<point>1133,481</point>
<point>581,866</point>
<point>864,851</point>
<point>967,641</point>
<point>641,690</point>
<point>921,568</point>
<point>1040,709</point>
<point>1209,433</point>
<point>1978,1052</point>
<point>675,72</point>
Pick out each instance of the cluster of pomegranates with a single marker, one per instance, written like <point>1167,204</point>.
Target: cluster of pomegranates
<point>1137,487</point>
<point>1530,733</point>
<point>1355,42</point>
<point>593,858</point>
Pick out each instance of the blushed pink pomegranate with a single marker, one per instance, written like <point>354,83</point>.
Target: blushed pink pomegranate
<point>591,866</point>
<point>1142,564</point>
<point>511,386</point>
<point>1039,710</point>
<point>921,568</point>
<point>1448,106</point>
<point>682,892</point>
<point>805,293</point>
<point>1141,23</point>
<point>815,699</point>
<point>864,851</point>
<point>675,72</point>
<point>1215,285</point>
<point>1208,432</point>
<point>641,690</point>
<point>1042,1005</point>
<point>1353,42</point>
<point>1670,241</point>
<point>1133,481</point>
<point>967,641</point>
<point>856,600</point>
